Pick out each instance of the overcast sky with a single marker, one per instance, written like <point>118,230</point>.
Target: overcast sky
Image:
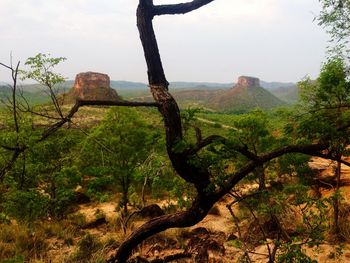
<point>275,40</point>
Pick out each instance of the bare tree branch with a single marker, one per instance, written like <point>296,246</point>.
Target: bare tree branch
<point>14,74</point>
<point>117,103</point>
<point>308,149</point>
<point>81,103</point>
<point>6,66</point>
<point>217,138</point>
<point>182,8</point>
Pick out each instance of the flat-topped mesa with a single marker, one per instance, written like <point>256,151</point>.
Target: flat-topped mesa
<point>244,81</point>
<point>93,86</point>
<point>91,80</point>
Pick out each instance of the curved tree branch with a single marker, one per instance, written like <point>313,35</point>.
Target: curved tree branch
<point>192,216</point>
<point>217,138</point>
<point>308,149</point>
<point>182,8</point>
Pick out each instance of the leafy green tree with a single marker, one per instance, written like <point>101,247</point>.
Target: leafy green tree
<point>20,118</point>
<point>116,148</point>
<point>52,162</point>
<point>335,16</point>
<point>47,174</point>
<point>325,106</point>
<point>25,206</point>
<point>252,131</point>
<point>41,70</point>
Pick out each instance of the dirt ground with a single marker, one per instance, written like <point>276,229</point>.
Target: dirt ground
<point>220,224</point>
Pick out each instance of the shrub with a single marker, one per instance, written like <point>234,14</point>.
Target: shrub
<point>61,205</point>
<point>26,206</point>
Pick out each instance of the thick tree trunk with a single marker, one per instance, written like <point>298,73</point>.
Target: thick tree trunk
<point>172,122</point>
<point>168,106</point>
<point>195,214</point>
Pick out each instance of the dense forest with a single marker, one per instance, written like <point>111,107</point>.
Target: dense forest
<point>147,181</point>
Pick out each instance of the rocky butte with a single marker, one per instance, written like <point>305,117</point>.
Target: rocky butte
<point>92,86</point>
<point>246,95</point>
<point>244,81</point>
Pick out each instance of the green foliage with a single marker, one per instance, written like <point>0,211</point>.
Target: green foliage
<point>188,116</point>
<point>51,164</point>
<point>296,164</point>
<point>26,206</point>
<point>4,219</point>
<point>252,130</point>
<point>180,146</point>
<point>115,149</point>
<point>41,67</point>
<point>324,104</point>
<point>335,16</point>
<point>331,90</point>
<point>45,174</point>
<point>293,254</point>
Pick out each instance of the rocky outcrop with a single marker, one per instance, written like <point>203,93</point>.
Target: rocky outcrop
<point>246,95</point>
<point>244,81</point>
<point>92,86</point>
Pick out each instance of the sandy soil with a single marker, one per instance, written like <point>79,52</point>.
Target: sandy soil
<point>222,222</point>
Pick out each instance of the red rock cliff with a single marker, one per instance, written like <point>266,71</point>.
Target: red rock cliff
<point>92,86</point>
<point>244,81</point>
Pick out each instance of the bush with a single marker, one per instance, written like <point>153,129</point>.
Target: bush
<point>59,206</point>
<point>26,206</point>
<point>99,184</point>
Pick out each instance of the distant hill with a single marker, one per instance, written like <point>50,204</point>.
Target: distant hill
<point>271,86</point>
<point>31,97</point>
<point>285,91</point>
<point>288,94</point>
<point>127,85</point>
<point>245,95</point>
<point>120,84</point>
<point>199,85</point>
<point>199,95</point>
<point>202,93</point>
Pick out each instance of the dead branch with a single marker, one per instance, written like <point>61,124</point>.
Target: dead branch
<point>182,8</point>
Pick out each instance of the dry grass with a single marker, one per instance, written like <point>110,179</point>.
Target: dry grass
<point>344,222</point>
<point>21,240</point>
